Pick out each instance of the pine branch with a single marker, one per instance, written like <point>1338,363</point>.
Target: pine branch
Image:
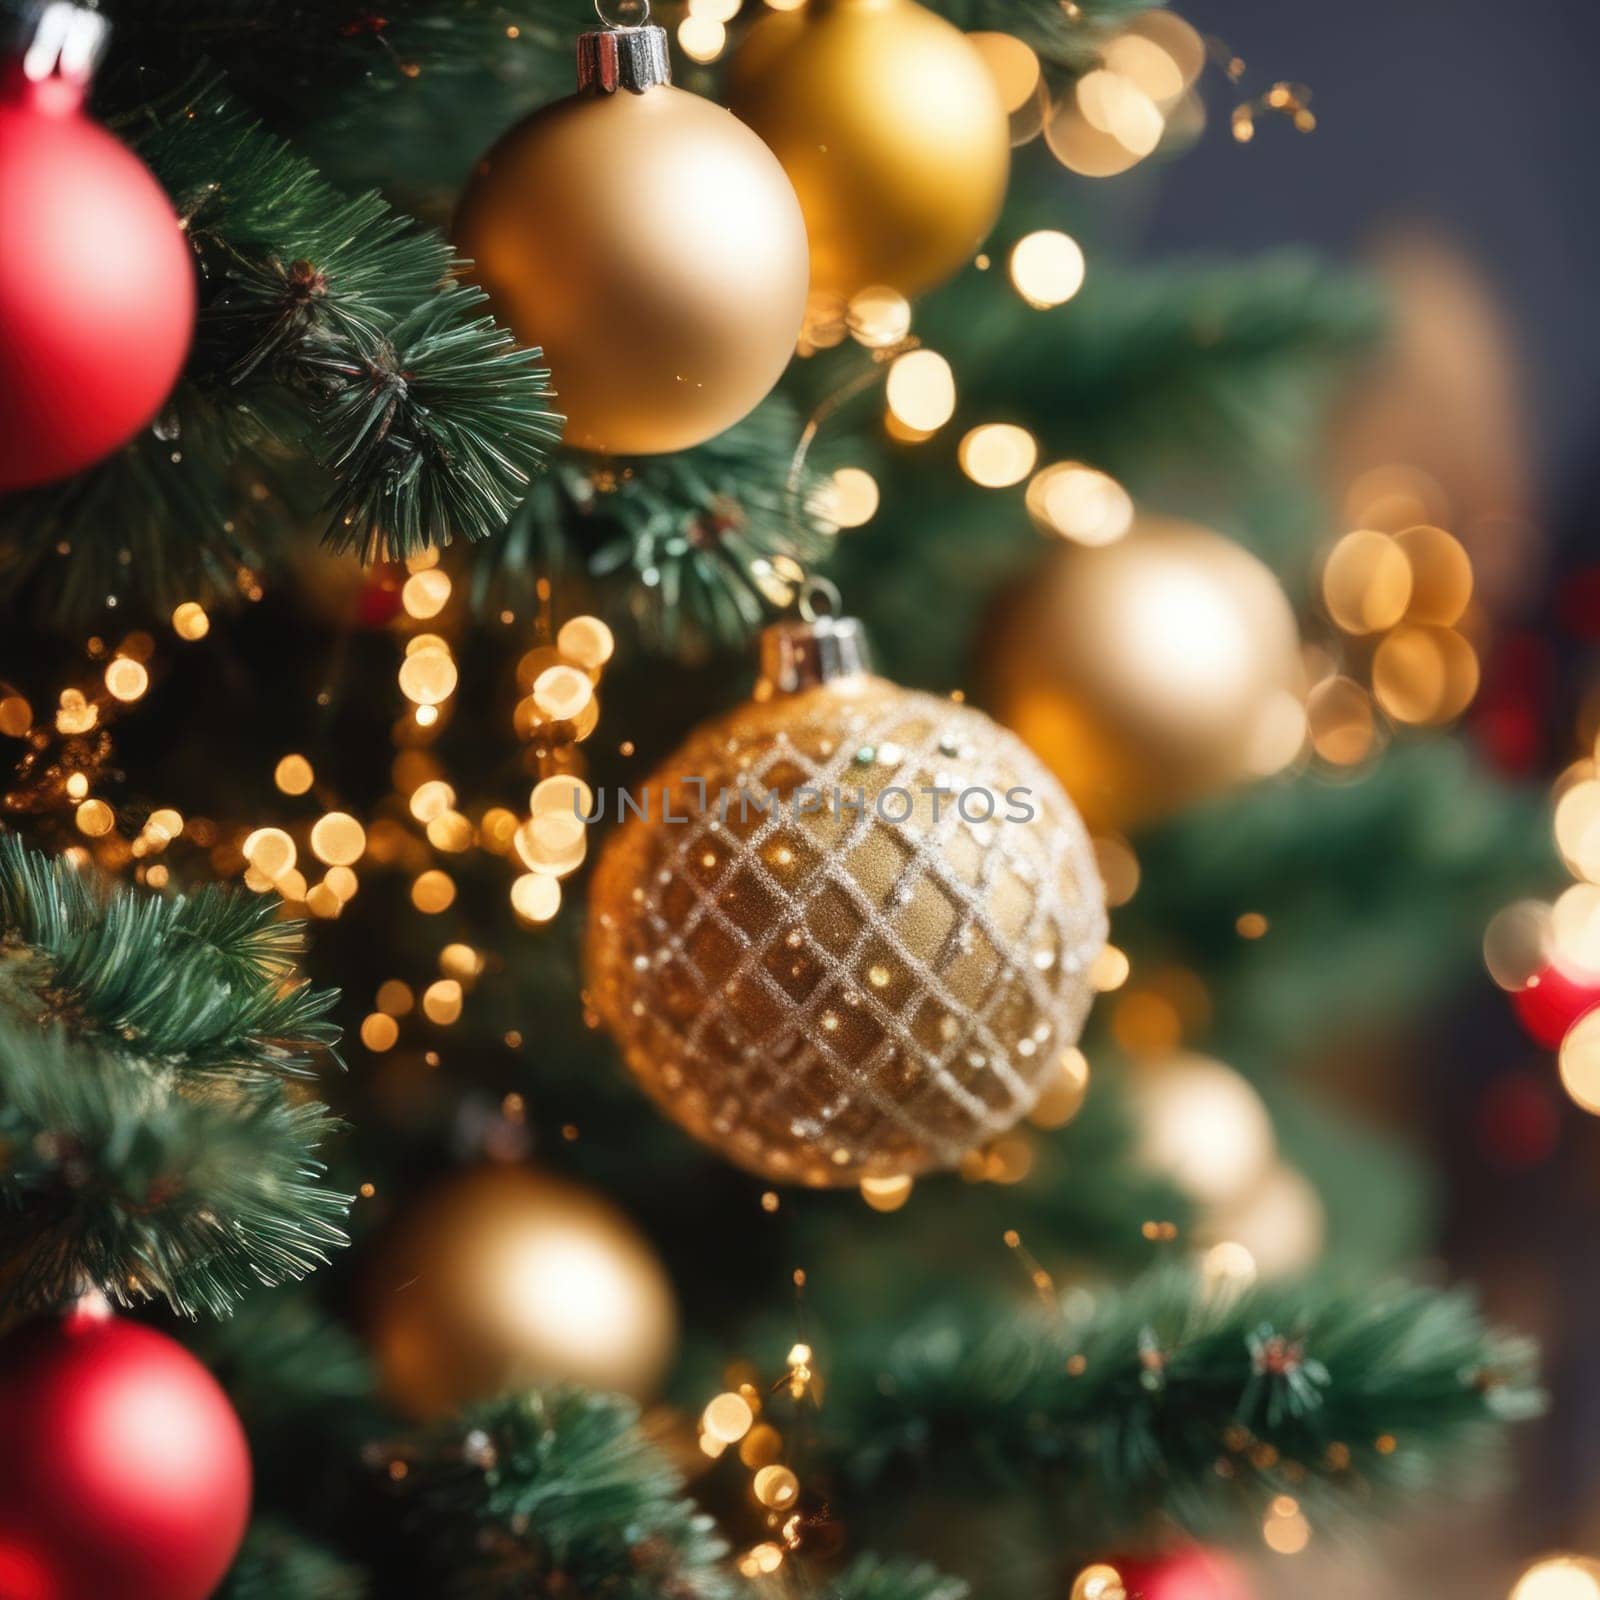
<point>1173,1404</point>
<point>697,548</point>
<point>869,1578</point>
<point>288,1367</point>
<point>1226,361</point>
<point>148,1145</point>
<point>198,984</point>
<point>330,331</point>
<point>1379,887</point>
<point>556,1492</point>
<point>278,1563</point>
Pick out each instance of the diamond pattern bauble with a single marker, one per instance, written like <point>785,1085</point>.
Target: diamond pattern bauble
<point>816,974</point>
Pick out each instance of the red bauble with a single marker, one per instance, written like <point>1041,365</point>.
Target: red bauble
<point>97,294</point>
<point>124,1473</point>
<point>1551,1003</point>
<point>1190,1574</point>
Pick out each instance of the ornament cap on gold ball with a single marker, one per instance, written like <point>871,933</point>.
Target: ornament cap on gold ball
<point>819,646</point>
<point>647,242</point>
<point>822,969</point>
<point>623,56</point>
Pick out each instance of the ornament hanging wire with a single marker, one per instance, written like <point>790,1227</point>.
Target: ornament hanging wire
<point>819,597</point>
<point>623,13</point>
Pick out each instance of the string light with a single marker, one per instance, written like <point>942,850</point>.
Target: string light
<point>998,454</point>
<point>126,679</point>
<point>1047,268</point>
<point>849,499</point>
<point>270,851</point>
<point>441,1001</point>
<point>337,839</point>
<point>702,38</point>
<point>1079,503</point>
<point>95,818</point>
<point>1559,1578</point>
<point>425,594</point>
<point>878,317</point>
<point>921,390</point>
<point>886,1194</point>
<point>189,621</point>
<point>535,897</point>
<point>1286,1530</point>
<point>395,997</point>
<point>432,892</point>
<point>1099,1582</point>
<point>1013,65</point>
<point>727,1418</point>
<point>293,775</point>
<point>587,642</point>
<point>379,1031</point>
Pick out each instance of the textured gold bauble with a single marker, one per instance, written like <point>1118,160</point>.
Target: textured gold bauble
<point>836,991</point>
<point>890,125</point>
<point>507,1276</point>
<point>1148,673</point>
<point>653,246</point>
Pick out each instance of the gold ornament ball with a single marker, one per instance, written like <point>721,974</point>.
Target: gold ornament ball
<point>651,244</point>
<point>506,1276</point>
<point>889,123</point>
<point>1201,1125</point>
<point>1148,673</point>
<point>830,992</point>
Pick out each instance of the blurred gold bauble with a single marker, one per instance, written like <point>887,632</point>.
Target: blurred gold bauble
<point>1201,1125</point>
<point>890,125</point>
<point>505,1276</point>
<point>1148,673</point>
<point>828,985</point>
<point>651,244</point>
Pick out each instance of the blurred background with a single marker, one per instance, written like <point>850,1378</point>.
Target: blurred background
<point>1448,156</point>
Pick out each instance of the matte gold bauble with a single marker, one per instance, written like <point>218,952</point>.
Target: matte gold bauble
<point>1148,673</point>
<point>890,125</point>
<point>651,244</point>
<point>506,1276</point>
<point>817,965</point>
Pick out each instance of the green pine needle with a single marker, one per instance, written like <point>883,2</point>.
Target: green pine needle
<point>1181,1404</point>
<point>277,1563</point>
<point>148,1142</point>
<point>556,1492</point>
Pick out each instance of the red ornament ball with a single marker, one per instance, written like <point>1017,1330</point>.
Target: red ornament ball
<point>1189,1574</point>
<point>97,293</point>
<point>124,1473</point>
<point>1551,1003</point>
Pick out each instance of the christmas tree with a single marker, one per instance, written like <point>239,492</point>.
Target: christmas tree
<point>427,465</point>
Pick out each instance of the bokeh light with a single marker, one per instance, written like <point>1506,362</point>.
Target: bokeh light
<point>921,390</point>
<point>1047,268</point>
<point>1079,503</point>
<point>998,454</point>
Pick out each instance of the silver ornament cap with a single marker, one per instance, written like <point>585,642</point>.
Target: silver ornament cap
<point>56,38</point>
<point>805,653</point>
<point>623,58</point>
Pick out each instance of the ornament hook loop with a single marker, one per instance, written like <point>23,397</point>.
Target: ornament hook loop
<point>623,13</point>
<point>820,598</point>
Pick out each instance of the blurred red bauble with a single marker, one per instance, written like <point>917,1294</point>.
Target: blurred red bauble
<point>124,1473</point>
<point>1190,1574</point>
<point>97,294</point>
<point>1551,1003</point>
